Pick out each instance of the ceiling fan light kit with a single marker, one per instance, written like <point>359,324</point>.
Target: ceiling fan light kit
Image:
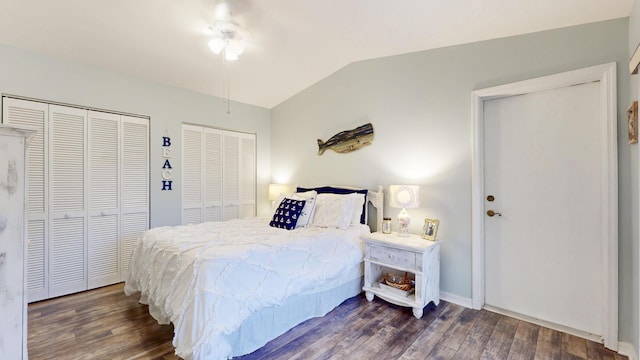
<point>226,40</point>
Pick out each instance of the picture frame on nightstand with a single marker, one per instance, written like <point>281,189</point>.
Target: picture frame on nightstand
<point>430,229</point>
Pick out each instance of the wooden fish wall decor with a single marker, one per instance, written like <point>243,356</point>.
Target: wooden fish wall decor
<point>348,140</point>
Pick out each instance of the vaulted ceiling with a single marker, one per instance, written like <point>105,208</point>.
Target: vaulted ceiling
<point>290,44</point>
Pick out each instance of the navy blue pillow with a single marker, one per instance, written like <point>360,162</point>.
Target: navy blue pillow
<point>287,214</point>
<point>341,191</point>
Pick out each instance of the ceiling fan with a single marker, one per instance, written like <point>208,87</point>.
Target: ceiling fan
<point>228,36</point>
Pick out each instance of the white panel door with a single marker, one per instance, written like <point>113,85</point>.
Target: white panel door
<point>543,166</point>
<point>67,213</point>
<point>34,115</point>
<point>134,203</point>
<point>192,174</point>
<point>104,206</point>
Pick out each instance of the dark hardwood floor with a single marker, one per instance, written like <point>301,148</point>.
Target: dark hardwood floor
<point>106,324</point>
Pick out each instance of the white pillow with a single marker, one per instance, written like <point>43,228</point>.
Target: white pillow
<point>307,212</point>
<point>333,210</point>
<point>357,208</point>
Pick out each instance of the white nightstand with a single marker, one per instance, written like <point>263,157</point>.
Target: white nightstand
<point>390,253</point>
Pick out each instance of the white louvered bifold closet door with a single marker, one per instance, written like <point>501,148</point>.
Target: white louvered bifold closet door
<point>88,194</point>
<point>104,206</point>
<point>219,172</point>
<point>67,214</point>
<point>34,115</point>
<point>213,177</point>
<point>231,176</point>
<point>247,175</point>
<point>192,174</point>
<point>135,186</point>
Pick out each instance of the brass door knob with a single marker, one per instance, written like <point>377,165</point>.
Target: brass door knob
<point>492,213</point>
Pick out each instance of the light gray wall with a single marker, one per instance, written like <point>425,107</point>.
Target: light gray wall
<point>419,105</point>
<point>629,268</point>
<point>28,74</point>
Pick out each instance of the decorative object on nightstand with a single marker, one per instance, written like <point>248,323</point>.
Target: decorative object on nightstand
<point>386,225</point>
<point>404,197</point>
<point>402,270</point>
<point>430,229</point>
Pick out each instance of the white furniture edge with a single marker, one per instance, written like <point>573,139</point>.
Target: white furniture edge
<point>606,75</point>
<point>625,348</point>
<point>26,133</point>
<point>409,244</point>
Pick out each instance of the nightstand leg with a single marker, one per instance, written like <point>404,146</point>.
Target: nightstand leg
<point>417,312</point>
<point>369,295</point>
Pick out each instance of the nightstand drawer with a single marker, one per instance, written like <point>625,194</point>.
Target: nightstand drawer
<point>403,258</point>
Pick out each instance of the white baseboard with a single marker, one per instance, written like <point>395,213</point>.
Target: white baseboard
<point>455,299</point>
<point>543,323</point>
<point>625,348</point>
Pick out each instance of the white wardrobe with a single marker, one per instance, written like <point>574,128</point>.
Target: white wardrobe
<point>13,327</point>
<point>219,174</point>
<point>88,194</point>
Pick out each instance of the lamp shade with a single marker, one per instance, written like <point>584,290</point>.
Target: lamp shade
<point>276,189</point>
<point>404,196</point>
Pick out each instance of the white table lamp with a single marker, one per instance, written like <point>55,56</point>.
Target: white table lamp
<point>276,189</point>
<point>404,197</point>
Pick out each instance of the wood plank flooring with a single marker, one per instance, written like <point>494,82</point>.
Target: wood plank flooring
<point>106,324</point>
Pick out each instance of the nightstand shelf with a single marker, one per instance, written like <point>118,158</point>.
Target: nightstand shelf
<point>419,258</point>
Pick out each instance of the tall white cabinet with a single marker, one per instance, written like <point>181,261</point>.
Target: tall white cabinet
<point>219,174</point>
<point>13,327</point>
<point>88,197</point>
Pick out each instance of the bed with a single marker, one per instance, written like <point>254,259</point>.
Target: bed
<point>230,287</point>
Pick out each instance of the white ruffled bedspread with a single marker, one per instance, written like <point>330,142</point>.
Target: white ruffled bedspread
<point>207,278</point>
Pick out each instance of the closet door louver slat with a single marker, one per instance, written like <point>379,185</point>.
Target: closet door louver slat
<point>135,186</point>
<point>104,172</point>
<point>133,224</point>
<point>67,160</point>
<point>36,274</point>
<point>135,163</point>
<point>67,256</point>
<point>231,177</point>
<point>34,115</point>
<point>67,179</point>
<point>104,206</point>
<point>247,176</point>
<point>192,174</point>
<point>213,177</point>
<point>103,261</point>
